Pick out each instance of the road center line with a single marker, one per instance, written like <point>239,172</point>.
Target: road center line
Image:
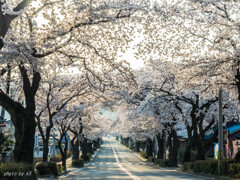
<point>122,168</point>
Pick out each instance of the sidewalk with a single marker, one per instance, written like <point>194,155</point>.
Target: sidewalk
<point>138,155</point>
<point>178,169</point>
<point>70,168</point>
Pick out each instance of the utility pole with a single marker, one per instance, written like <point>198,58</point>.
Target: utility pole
<point>220,131</point>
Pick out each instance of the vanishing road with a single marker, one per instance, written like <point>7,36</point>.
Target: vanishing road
<point>116,162</point>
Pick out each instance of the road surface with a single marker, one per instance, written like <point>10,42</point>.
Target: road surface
<point>116,162</point>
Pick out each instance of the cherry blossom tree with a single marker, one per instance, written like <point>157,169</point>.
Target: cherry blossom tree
<point>65,37</point>
<point>69,116</point>
<point>52,97</point>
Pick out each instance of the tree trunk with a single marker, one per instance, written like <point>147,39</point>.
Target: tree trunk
<point>149,147</point>
<point>173,143</point>
<point>63,151</point>
<point>137,146</point>
<point>75,151</point>
<point>24,123</point>
<point>45,150</point>
<point>96,143</point>
<point>89,148</point>
<point>160,139</point>
<point>84,149</point>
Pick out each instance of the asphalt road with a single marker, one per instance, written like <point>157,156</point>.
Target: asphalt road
<point>116,162</point>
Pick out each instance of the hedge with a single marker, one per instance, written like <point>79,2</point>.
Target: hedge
<point>78,163</point>
<point>237,157</point>
<point>17,171</point>
<point>234,170</point>
<point>210,166</point>
<point>48,168</point>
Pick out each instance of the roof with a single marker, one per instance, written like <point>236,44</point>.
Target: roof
<point>233,129</point>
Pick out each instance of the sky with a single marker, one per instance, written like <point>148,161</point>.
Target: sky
<point>129,56</point>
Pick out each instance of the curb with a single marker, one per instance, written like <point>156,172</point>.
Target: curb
<point>205,175</point>
<point>94,155</point>
<point>73,169</point>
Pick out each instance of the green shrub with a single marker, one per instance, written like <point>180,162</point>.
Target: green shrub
<point>234,170</point>
<point>42,169</point>
<point>205,166</point>
<point>225,165</point>
<point>16,171</point>
<point>237,157</point>
<point>53,168</point>
<point>48,168</point>
<point>161,162</point>
<point>197,166</point>
<point>210,166</point>
<point>187,166</point>
<point>78,163</point>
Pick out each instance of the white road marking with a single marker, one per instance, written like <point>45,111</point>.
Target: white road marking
<point>122,168</point>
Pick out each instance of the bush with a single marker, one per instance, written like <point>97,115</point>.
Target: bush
<point>225,165</point>
<point>210,166</point>
<point>16,171</point>
<point>161,162</point>
<point>205,166</point>
<point>42,169</point>
<point>78,163</point>
<point>237,157</point>
<point>48,168</point>
<point>234,170</point>
<point>187,166</point>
